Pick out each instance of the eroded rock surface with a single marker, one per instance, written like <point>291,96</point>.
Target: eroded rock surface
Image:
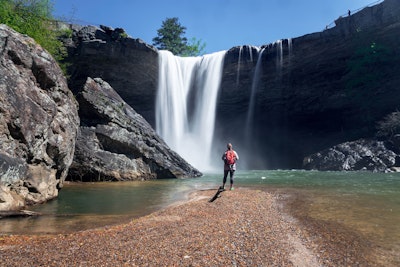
<point>38,122</point>
<point>371,155</point>
<point>128,64</point>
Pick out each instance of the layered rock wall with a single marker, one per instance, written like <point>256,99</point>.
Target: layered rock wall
<point>317,90</point>
<point>129,65</point>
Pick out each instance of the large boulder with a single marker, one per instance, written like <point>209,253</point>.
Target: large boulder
<point>116,143</point>
<point>363,154</point>
<point>38,122</point>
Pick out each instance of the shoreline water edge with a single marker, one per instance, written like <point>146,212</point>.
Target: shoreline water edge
<point>245,227</point>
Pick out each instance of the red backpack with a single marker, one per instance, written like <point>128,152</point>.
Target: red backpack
<point>230,157</point>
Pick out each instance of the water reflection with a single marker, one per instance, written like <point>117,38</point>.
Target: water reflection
<point>88,205</point>
<point>365,202</point>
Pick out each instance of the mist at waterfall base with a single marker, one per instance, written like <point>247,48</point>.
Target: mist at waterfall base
<point>186,107</point>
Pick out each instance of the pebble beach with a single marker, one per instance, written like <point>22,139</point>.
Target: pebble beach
<point>243,227</point>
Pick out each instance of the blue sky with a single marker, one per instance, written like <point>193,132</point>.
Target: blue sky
<point>220,24</point>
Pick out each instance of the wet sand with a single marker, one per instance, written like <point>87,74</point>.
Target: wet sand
<point>244,227</point>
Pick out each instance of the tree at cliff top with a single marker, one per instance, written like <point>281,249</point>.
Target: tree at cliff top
<point>171,37</point>
<point>33,18</point>
<point>195,48</point>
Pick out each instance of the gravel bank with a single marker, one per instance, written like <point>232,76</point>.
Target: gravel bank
<point>243,227</point>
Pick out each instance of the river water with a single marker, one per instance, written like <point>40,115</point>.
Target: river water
<point>368,203</point>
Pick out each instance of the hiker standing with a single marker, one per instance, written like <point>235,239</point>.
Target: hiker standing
<point>229,157</point>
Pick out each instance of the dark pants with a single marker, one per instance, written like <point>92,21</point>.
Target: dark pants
<point>231,173</point>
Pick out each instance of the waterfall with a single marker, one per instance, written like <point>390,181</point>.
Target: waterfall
<point>238,66</point>
<point>241,59</point>
<point>188,126</point>
<point>290,48</point>
<point>279,56</point>
<point>257,73</point>
<point>254,85</point>
<point>251,51</point>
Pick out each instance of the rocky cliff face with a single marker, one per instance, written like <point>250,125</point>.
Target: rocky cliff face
<point>38,123</point>
<point>116,143</point>
<point>317,90</point>
<point>309,93</point>
<point>129,65</point>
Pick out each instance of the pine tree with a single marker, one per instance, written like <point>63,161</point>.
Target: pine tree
<point>171,37</point>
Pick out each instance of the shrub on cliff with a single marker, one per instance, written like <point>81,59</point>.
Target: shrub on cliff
<point>33,18</point>
<point>389,126</point>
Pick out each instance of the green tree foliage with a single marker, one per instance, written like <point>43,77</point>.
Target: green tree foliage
<point>33,18</point>
<point>171,36</point>
<point>194,48</point>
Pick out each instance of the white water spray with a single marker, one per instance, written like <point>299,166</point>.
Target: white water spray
<point>188,129</point>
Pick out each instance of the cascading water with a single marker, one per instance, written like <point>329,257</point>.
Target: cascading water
<point>241,48</point>
<point>251,48</point>
<point>188,126</point>
<point>279,62</point>
<point>238,65</point>
<point>258,69</point>
<point>279,56</point>
<point>290,47</point>
<point>254,85</point>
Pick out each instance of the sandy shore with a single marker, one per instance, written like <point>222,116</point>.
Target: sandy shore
<point>244,227</point>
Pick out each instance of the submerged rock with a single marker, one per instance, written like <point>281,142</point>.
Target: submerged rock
<point>38,122</point>
<point>116,143</point>
<point>18,213</point>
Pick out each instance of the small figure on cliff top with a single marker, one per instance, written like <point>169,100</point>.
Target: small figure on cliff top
<point>229,157</point>
<point>349,12</point>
